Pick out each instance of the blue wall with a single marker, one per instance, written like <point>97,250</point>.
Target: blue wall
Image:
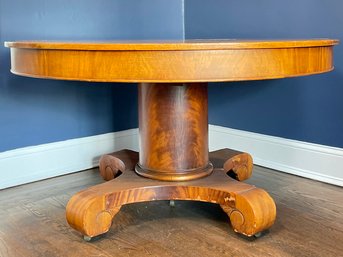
<point>306,108</point>
<point>35,111</point>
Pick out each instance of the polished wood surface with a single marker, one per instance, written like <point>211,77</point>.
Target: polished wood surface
<point>250,209</point>
<point>173,131</point>
<point>178,61</point>
<point>173,119</point>
<point>309,223</point>
<point>188,44</point>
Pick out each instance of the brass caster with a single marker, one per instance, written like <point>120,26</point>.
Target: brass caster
<point>258,235</point>
<point>261,234</point>
<point>87,238</point>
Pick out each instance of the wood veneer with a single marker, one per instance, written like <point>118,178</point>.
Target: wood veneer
<point>184,61</point>
<point>173,156</point>
<point>250,209</point>
<point>173,131</point>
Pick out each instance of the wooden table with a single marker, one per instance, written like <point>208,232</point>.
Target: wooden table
<point>173,162</point>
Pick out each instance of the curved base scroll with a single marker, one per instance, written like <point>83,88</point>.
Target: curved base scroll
<point>91,211</point>
<point>113,165</point>
<point>254,211</point>
<point>238,165</point>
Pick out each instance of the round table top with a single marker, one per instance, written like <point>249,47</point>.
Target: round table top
<point>171,61</point>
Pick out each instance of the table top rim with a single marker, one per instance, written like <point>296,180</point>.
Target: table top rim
<point>165,45</point>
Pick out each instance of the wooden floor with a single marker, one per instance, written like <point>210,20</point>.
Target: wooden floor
<point>309,222</point>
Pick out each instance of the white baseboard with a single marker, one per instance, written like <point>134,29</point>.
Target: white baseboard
<point>34,163</point>
<point>24,165</point>
<point>318,162</point>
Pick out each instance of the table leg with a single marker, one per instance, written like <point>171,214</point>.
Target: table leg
<point>250,209</point>
<point>173,131</point>
<point>173,164</point>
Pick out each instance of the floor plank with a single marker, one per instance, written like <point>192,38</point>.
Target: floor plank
<point>309,222</point>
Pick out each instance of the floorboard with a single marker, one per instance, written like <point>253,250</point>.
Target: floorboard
<point>309,222</point>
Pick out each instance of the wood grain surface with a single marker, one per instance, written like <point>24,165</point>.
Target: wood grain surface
<point>185,61</point>
<point>188,44</point>
<point>250,209</point>
<point>310,222</point>
<point>173,131</point>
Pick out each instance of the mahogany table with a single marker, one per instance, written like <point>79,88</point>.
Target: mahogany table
<point>173,162</point>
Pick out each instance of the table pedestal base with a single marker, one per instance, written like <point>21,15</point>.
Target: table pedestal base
<point>250,209</point>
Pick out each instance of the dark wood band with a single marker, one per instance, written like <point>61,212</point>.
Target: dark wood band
<point>177,175</point>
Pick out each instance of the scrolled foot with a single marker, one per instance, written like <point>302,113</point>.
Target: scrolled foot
<point>110,167</point>
<point>253,211</point>
<point>239,166</point>
<point>90,213</point>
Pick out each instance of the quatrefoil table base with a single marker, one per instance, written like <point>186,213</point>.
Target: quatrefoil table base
<point>250,209</point>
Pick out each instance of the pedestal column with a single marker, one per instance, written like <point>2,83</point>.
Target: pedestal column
<point>173,131</point>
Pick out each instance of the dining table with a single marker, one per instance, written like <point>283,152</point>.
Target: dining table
<point>173,162</point>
